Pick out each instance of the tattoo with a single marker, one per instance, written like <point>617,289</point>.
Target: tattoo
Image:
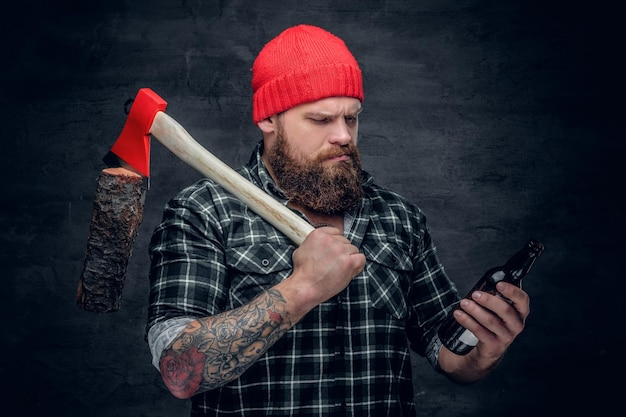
<point>213,351</point>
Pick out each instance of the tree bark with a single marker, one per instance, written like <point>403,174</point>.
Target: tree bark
<point>116,217</point>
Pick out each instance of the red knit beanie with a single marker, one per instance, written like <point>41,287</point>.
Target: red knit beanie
<point>302,64</point>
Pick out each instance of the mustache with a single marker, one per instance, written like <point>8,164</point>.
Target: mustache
<point>349,150</point>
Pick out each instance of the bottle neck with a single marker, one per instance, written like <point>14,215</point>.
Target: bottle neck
<point>521,263</point>
<point>518,272</point>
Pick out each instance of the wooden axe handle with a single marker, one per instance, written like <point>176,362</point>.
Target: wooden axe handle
<point>175,138</point>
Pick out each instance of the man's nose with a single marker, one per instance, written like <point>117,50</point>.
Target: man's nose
<point>341,133</point>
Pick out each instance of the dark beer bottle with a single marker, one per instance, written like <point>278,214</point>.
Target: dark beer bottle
<point>460,340</point>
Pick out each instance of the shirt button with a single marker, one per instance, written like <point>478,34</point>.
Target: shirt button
<point>265,262</point>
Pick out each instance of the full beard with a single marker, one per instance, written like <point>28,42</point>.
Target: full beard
<point>325,189</point>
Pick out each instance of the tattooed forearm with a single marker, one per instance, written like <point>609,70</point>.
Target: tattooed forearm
<point>215,350</point>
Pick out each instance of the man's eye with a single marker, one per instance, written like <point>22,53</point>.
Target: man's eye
<point>351,119</point>
<point>320,121</point>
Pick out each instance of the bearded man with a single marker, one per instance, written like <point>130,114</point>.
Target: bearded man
<point>244,323</point>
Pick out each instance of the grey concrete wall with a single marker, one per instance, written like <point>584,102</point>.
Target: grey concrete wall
<point>498,118</point>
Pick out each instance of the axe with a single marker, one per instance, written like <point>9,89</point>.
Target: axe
<point>120,195</point>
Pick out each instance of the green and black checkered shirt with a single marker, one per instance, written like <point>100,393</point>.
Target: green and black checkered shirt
<point>350,355</point>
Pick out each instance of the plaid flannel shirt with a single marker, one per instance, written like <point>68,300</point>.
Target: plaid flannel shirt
<point>350,355</point>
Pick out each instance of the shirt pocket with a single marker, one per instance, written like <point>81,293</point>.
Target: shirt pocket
<point>254,269</point>
<point>388,270</point>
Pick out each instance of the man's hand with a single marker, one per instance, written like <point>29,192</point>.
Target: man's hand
<point>496,323</point>
<point>324,265</point>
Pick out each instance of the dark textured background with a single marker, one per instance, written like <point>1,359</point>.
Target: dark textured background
<point>498,118</point>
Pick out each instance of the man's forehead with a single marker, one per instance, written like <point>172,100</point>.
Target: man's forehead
<point>331,106</point>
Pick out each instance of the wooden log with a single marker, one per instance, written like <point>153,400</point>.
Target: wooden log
<point>116,217</point>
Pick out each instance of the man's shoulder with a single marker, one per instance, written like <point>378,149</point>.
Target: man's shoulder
<point>203,194</point>
<point>390,197</point>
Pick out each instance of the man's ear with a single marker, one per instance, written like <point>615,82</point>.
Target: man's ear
<point>267,125</point>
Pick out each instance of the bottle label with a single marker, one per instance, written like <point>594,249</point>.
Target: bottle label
<point>468,338</point>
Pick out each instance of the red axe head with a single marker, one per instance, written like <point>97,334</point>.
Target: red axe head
<point>133,144</point>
